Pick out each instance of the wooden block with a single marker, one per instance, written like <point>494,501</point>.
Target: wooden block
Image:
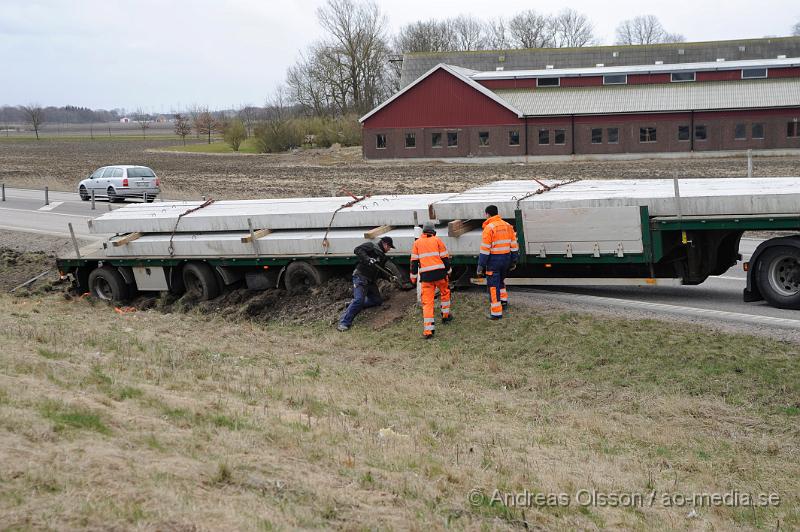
<point>378,231</point>
<point>261,233</point>
<point>457,228</point>
<point>130,237</point>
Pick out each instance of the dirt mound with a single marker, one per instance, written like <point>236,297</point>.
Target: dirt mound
<point>16,267</point>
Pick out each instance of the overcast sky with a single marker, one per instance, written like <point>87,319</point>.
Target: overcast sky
<point>170,54</point>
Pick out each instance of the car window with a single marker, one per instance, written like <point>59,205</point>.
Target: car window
<point>108,172</point>
<point>140,171</point>
<point>97,173</point>
<point>117,172</point>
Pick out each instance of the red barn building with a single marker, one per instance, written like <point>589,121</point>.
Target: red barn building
<point>452,112</point>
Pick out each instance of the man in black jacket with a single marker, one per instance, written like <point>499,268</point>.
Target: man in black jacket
<point>371,266</point>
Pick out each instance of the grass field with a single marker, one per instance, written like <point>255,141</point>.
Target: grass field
<point>175,421</point>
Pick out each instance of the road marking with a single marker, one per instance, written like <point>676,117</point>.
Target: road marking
<point>674,309</point>
<point>52,213</point>
<point>728,278</point>
<point>50,207</point>
<point>50,233</point>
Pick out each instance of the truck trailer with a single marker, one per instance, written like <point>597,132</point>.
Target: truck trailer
<point>645,232</point>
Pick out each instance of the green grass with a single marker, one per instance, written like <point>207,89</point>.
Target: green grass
<point>216,146</point>
<point>66,416</point>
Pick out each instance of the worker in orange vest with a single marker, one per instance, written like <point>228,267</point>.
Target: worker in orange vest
<point>430,260</point>
<point>498,256</point>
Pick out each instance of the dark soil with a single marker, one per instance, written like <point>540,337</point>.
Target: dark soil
<point>17,267</point>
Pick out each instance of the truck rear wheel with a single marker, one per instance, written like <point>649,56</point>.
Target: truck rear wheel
<point>301,276</point>
<point>200,281</point>
<point>778,276</point>
<point>107,283</point>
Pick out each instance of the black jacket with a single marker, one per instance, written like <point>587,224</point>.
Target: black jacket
<point>368,271</point>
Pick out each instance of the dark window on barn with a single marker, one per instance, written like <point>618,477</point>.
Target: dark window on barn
<point>647,134</point>
<point>613,135</point>
<point>793,129</point>
<point>740,132</point>
<point>544,136</point>
<point>380,141</point>
<point>513,138</point>
<point>700,132</point>
<point>683,132</point>
<point>615,79</point>
<point>597,135</point>
<point>758,131</point>
<point>548,82</point>
<point>411,140</point>
<point>452,139</point>
<point>483,138</point>
<point>436,140</point>
<point>561,136</point>
<point>682,76</point>
<point>754,73</point>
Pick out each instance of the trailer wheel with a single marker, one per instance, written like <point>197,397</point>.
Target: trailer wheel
<point>107,283</point>
<point>301,276</point>
<point>778,276</point>
<point>200,281</point>
<point>176,286</point>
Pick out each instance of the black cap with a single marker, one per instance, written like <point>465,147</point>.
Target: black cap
<point>388,240</point>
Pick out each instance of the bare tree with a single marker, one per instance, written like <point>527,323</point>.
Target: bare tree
<point>796,28</point>
<point>205,123</point>
<point>4,116</point>
<point>182,127</point>
<point>645,29</point>
<point>571,29</point>
<point>424,36</point>
<point>249,115</point>
<point>468,33</point>
<point>143,120</point>
<point>34,114</point>
<point>498,35</point>
<point>530,29</point>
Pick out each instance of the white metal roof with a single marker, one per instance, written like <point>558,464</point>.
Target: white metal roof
<point>464,74</point>
<point>639,69</point>
<point>665,97</point>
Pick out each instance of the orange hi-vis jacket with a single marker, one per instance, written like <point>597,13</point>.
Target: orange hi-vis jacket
<point>429,257</point>
<point>499,238</point>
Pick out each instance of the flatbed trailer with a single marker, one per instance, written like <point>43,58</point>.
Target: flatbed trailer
<point>599,232</point>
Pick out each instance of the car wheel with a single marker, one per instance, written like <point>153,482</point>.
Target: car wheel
<point>112,195</point>
<point>84,193</point>
<point>200,281</point>
<point>106,283</point>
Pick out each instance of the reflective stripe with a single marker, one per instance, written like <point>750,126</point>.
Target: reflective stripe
<point>414,257</point>
<point>443,254</point>
<point>502,242</point>
<point>485,252</point>
<point>445,305</point>
<point>431,254</point>
<point>439,266</point>
<point>500,251</point>
<point>428,320</point>
<point>497,313</point>
<point>429,327</point>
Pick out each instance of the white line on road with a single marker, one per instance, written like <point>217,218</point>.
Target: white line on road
<point>50,207</point>
<point>43,232</point>
<point>674,309</point>
<point>52,213</point>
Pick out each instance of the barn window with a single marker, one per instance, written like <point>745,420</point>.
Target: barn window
<point>793,129</point>
<point>647,134</point>
<point>682,76</point>
<point>483,138</point>
<point>548,82</point>
<point>411,140</point>
<point>513,137</point>
<point>613,135</point>
<point>683,133</point>
<point>436,140</point>
<point>561,136</point>
<point>597,135</point>
<point>380,141</point>
<point>452,139</point>
<point>740,132</point>
<point>615,79</point>
<point>700,132</point>
<point>758,131</point>
<point>754,73</point>
<point>544,136</point>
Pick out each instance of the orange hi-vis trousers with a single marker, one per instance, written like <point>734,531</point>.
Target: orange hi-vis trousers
<point>428,296</point>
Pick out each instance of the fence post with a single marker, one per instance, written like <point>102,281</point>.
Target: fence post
<point>47,195</point>
<point>74,241</point>
<point>4,191</point>
<point>749,163</point>
<point>93,199</point>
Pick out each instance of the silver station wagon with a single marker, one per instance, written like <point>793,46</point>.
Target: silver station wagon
<point>119,182</point>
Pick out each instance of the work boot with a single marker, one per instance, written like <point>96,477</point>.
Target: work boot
<point>342,327</point>
<point>448,319</point>
<point>494,317</point>
<point>429,336</point>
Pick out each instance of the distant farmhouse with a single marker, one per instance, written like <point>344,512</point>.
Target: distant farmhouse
<point>124,120</point>
<point>681,97</point>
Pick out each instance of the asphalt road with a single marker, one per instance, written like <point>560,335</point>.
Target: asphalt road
<point>718,300</point>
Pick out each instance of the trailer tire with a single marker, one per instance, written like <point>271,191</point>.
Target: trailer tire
<point>778,276</point>
<point>176,285</point>
<point>200,280</point>
<point>301,276</point>
<point>107,284</point>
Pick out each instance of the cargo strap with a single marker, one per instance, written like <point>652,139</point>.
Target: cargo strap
<point>190,211</point>
<point>356,199</point>
<point>545,188</point>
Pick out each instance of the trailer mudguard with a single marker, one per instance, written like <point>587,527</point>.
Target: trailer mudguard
<point>751,291</point>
